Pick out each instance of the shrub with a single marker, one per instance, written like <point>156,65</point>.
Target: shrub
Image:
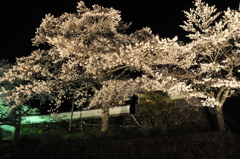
<point>156,101</point>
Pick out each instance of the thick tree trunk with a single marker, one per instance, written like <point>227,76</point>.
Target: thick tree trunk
<point>220,119</point>
<point>105,119</point>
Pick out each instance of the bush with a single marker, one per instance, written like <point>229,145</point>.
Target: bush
<point>146,128</point>
<point>156,101</point>
<point>35,131</point>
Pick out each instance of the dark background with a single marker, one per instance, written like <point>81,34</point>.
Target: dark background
<point>20,18</point>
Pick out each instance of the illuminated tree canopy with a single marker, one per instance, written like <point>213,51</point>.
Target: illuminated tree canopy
<point>89,46</point>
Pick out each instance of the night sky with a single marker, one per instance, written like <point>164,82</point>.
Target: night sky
<point>20,18</point>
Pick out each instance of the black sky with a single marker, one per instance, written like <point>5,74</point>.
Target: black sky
<point>20,18</point>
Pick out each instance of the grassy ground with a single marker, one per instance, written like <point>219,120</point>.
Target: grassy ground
<point>46,140</point>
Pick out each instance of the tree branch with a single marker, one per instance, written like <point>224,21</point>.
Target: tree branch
<point>220,93</point>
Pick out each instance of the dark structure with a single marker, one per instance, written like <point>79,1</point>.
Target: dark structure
<point>133,102</point>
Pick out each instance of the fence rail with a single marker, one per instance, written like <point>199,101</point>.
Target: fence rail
<point>96,113</point>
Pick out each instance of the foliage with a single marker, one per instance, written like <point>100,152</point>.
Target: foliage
<point>76,64</point>
<point>87,47</point>
<point>6,116</point>
<point>4,107</point>
<point>155,102</point>
<point>34,131</point>
<point>213,72</point>
<point>146,128</point>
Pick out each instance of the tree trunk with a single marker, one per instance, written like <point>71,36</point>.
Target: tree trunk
<point>16,136</point>
<point>70,122</point>
<point>220,119</point>
<point>105,119</point>
<point>221,97</point>
<point>17,132</point>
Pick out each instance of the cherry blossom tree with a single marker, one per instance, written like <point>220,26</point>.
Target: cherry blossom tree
<point>206,68</point>
<point>13,117</point>
<point>214,71</point>
<point>85,48</point>
<point>94,41</point>
<point>90,51</point>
